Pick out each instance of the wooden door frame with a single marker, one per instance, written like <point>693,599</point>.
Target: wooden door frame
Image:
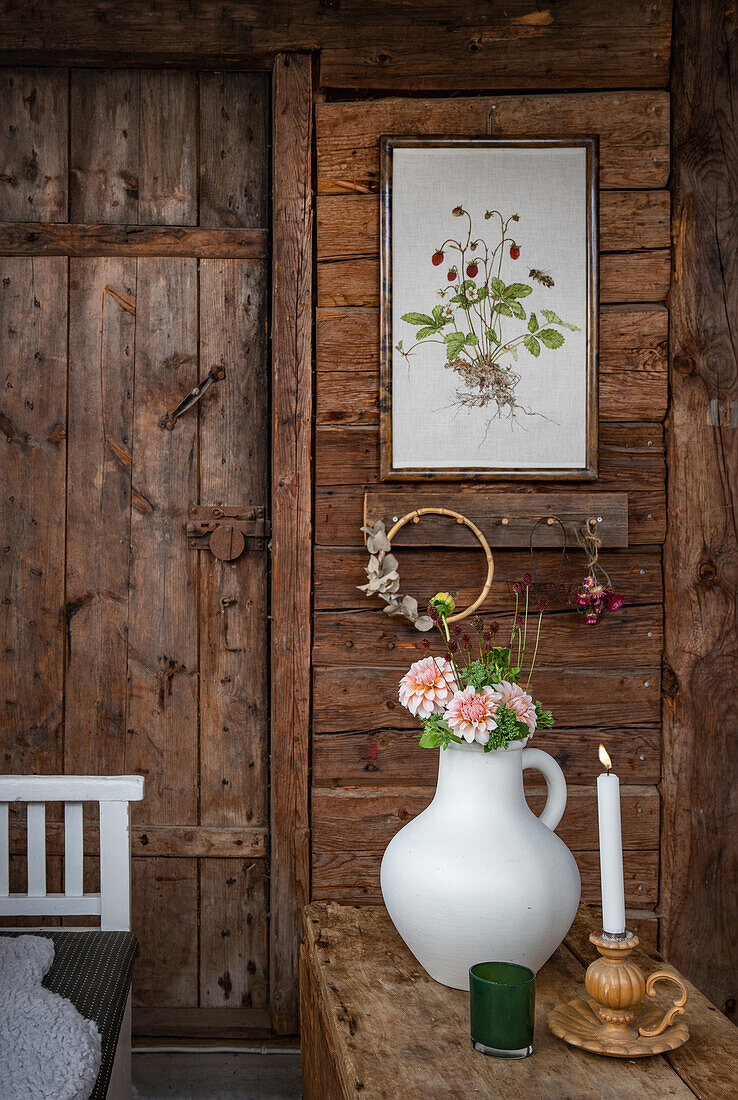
<point>292,402</point>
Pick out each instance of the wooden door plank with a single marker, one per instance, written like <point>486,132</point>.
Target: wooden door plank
<point>339,572</point>
<point>33,341</point>
<point>133,137</point>
<point>291,525</point>
<point>353,877</point>
<point>102,327</point>
<point>347,226</point>
<point>633,129</point>
<point>105,135</point>
<point>162,633</point>
<point>33,145</point>
<point>342,814</point>
<point>234,162</point>
<point>234,902</point>
<point>390,757</point>
<point>165,922</point>
<point>167,184</point>
<point>578,697</point>
<point>50,239</point>
<point>234,456</point>
<point>700,762</point>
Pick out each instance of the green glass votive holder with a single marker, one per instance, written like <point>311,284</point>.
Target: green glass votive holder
<point>503,1003</point>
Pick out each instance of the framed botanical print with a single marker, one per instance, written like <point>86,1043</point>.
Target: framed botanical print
<point>488,308</point>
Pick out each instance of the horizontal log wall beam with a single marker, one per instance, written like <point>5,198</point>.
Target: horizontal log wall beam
<point>339,572</point>
<point>356,638</point>
<point>347,226</point>
<point>633,371</point>
<point>354,876</point>
<point>340,815</point>
<point>390,757</point>
<point>364,698</point>
<point>633,128</point>
<point>490,44</point>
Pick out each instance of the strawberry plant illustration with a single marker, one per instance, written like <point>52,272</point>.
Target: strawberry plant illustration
<point>479,318</point>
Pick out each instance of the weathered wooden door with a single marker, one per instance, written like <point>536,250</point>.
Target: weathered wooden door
<point>134,252</point>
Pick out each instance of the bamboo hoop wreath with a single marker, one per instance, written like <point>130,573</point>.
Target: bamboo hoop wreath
<point>386,582</point>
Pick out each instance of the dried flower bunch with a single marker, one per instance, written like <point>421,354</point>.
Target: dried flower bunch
<point>473,692</point>
<point>476,305</point>
<point>595,596</point>
<point>383,578</point>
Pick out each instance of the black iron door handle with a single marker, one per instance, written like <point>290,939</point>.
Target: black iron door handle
<point>168,420</point>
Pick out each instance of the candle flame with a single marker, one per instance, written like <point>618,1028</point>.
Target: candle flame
<point>605,757</point>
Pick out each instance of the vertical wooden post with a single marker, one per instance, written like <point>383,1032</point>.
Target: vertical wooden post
<point>700,753</point>
<point>291,526</point>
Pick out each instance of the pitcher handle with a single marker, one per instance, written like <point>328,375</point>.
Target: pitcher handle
<point>553,811</point>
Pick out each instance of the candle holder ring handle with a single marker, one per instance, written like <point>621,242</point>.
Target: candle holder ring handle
<point>553,811</point>
<point>677,1009</point>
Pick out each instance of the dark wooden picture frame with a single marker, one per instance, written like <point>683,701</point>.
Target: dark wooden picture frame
<point>388,471</point>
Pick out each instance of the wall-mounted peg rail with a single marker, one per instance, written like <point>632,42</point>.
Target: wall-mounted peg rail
<point>506,519</point>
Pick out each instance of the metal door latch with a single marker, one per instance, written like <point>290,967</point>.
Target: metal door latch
<point>226,531</point>
<point>168,420</point>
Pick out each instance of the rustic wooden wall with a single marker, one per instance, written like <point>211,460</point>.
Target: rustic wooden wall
<point>512,47</point>
<point>602,683</point>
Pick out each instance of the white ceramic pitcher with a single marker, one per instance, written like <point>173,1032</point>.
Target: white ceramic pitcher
<point>477,877</point>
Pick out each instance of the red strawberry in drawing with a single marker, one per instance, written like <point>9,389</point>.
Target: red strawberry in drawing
<point>514,252</point>
<point>472,270</point>
<point>451,274</point>
<point>437,258</point>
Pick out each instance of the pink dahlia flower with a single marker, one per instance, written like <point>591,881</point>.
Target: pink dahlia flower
<point>471,714</point>
<point>518,701</point>
<point>427,686</point>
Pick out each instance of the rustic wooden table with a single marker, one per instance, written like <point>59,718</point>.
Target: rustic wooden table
<point>374,1024</point>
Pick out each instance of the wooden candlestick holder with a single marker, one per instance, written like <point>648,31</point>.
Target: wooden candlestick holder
<point>614,1019</point>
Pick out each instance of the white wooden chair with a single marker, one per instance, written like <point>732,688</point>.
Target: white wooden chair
<point>113,903</point>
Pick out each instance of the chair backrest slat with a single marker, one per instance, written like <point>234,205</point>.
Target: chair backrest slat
<point>113,793</point>
<point>36,849</point>
<point>4,851</point>
<point>73,850</point>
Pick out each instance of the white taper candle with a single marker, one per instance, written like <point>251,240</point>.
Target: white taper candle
<point>611,849</point>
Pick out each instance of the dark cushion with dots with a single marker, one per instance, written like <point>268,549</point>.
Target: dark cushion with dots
<point>94,971</point>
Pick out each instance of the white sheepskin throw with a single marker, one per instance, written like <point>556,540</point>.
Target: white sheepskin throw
<point>47,1049</point>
